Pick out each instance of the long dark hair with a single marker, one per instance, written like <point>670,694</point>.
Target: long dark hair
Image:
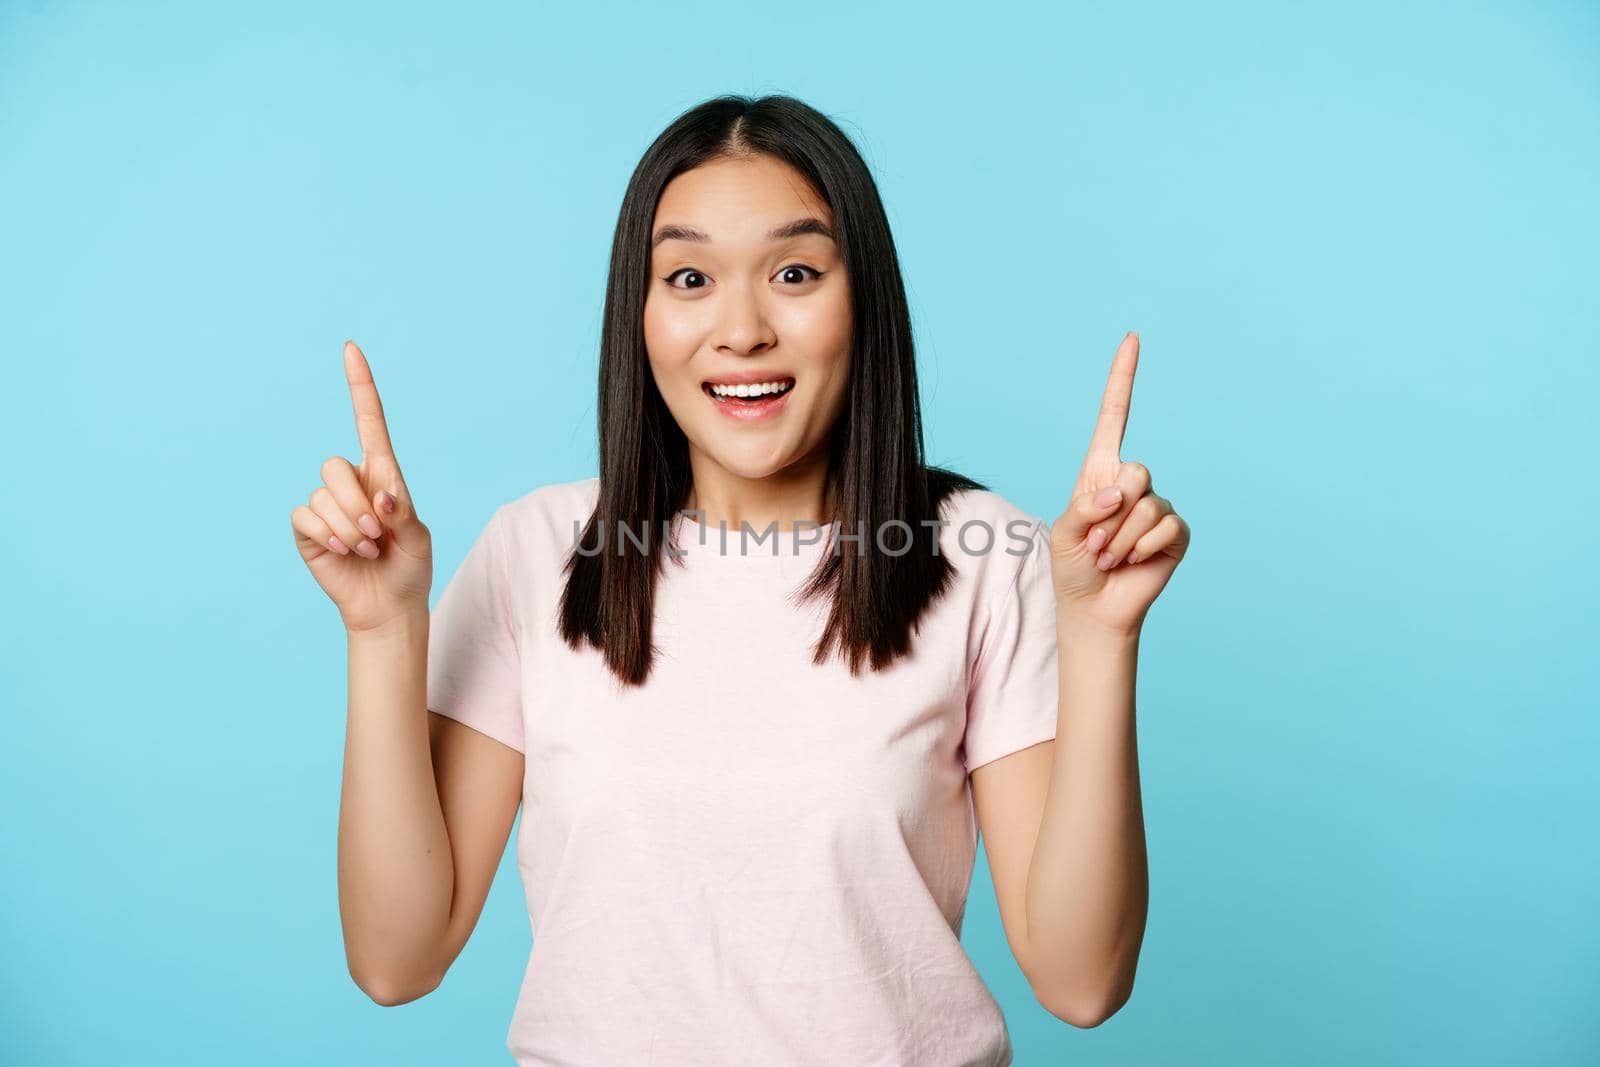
<point>875,452</point>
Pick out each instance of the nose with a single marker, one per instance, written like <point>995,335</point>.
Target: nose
<point>743,328</point>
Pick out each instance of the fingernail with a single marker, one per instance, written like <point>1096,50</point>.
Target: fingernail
<point>338,546</point>
<point>1107,496</point>
<point>369,526</point>
<point>1098,539</point>
<point>1105,561</point>
<point>386,501</point>
<point>1133,557</point>
<point>368,549</point>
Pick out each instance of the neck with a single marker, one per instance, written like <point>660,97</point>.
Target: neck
<point>797,493</point>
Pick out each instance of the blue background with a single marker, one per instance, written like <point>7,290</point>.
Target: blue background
<point>1360,246</point>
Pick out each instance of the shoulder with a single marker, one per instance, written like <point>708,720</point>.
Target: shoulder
<point>550,508</point>
<point>997,547</point>
<point>974,518</point>
<point>540,527</point>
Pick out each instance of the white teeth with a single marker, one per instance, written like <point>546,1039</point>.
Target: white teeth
<point>756,389</point>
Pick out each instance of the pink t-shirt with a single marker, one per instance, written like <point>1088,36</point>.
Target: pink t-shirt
<point>751,859</point>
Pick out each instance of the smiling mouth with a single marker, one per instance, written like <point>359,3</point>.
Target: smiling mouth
<point>754,395</point>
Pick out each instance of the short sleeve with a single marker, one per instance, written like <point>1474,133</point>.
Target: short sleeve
<point>474,669</point>
<point>1014,686</point>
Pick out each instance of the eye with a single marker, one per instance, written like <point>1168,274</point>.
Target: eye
<point>689,272</point>
<point>793,267</point>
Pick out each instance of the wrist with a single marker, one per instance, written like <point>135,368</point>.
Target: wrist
<point>408,625</point>
<point>1074,627</point>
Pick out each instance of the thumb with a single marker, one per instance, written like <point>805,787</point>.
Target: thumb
<point>1088,508</point>
<point>393,506</point>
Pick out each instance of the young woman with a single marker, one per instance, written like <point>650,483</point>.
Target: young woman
<point>759,684</point>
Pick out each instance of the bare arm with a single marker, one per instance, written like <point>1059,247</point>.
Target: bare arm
<point>1064,821</point>
<point>426,803</point>
<point>396,875</point>
<point>480,786</point>
<point>425,811</point>
<point>1087,889</point>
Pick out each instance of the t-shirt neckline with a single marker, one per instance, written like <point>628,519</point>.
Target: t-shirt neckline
<point>700,540</point>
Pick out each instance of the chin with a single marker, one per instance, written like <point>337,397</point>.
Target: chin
<point>748,460</point>
<point>750,468</point>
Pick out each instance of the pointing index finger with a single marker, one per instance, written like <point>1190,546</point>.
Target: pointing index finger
<point>370,425</point>
<point>1113,420</point>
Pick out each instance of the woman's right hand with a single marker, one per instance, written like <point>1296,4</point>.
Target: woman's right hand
<point>359,533</point>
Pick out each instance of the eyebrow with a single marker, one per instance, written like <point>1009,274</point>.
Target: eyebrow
<point>778,233</point>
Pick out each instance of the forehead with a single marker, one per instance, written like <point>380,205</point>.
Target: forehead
<point>739,199</point>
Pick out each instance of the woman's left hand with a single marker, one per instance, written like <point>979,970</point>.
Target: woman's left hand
<point>1112,555</point>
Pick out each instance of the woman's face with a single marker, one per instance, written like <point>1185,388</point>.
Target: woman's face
<point>748,288</point>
